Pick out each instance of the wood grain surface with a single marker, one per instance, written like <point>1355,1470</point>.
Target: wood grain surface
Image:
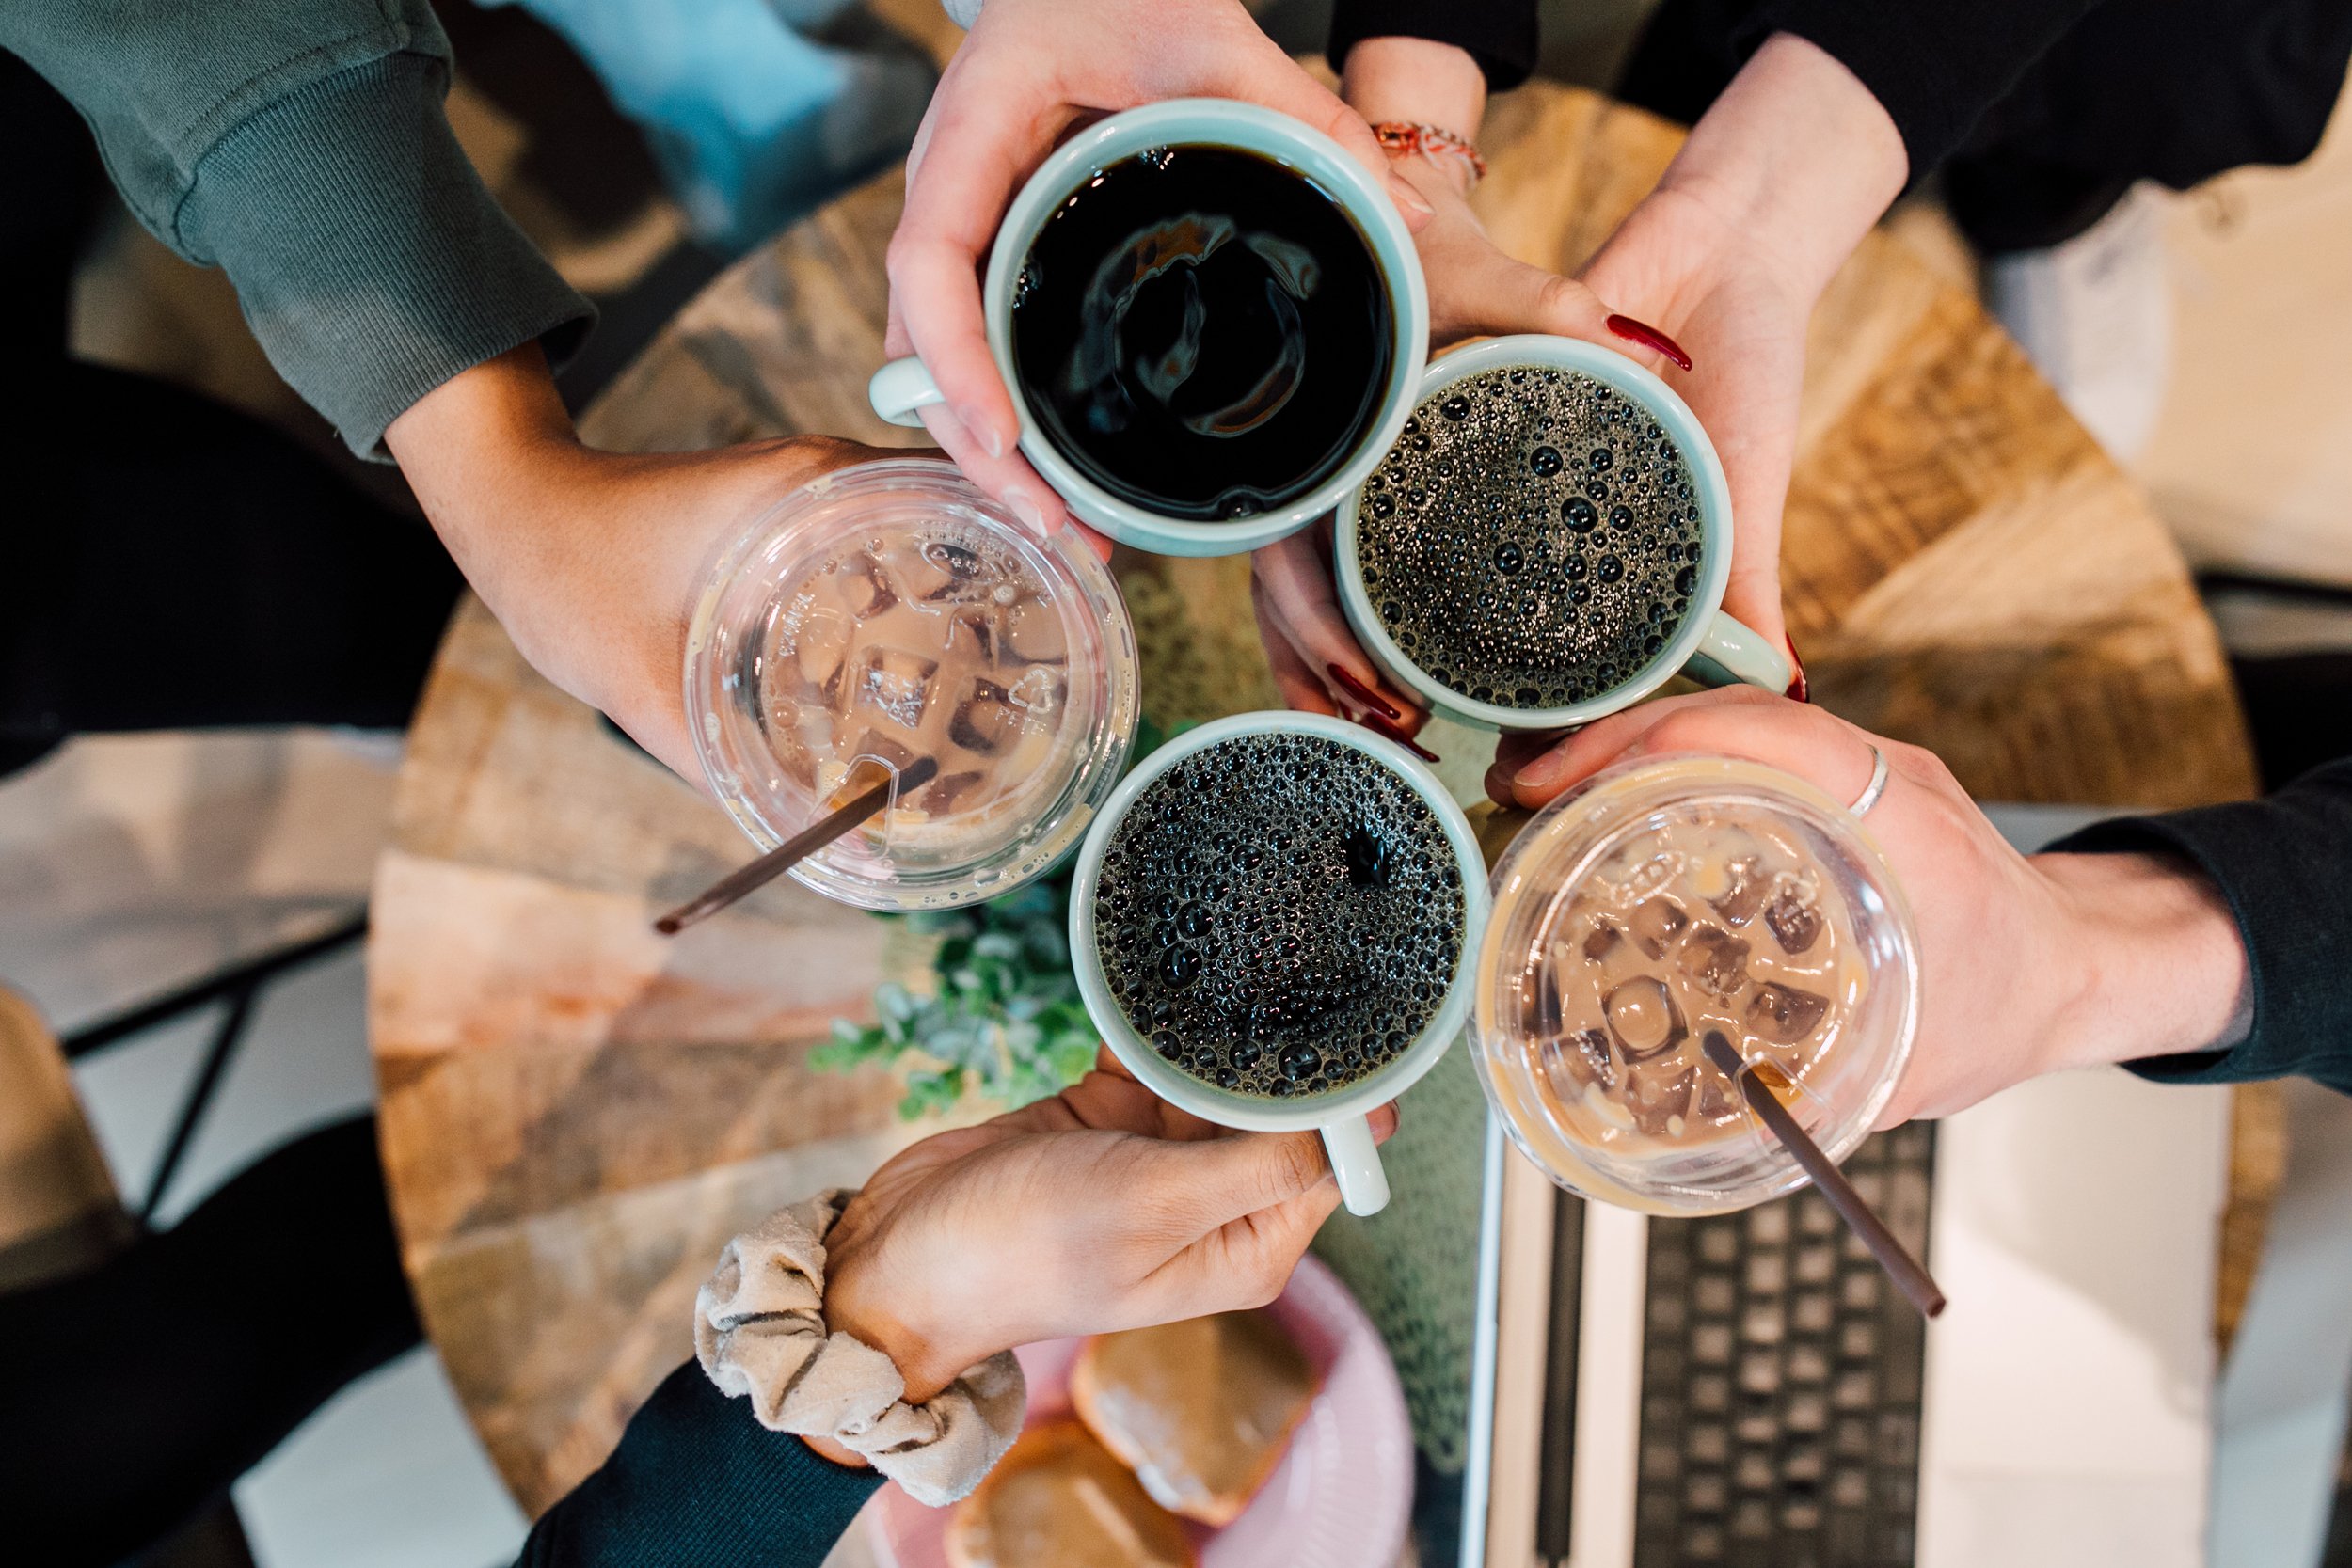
<point>577,1114</point>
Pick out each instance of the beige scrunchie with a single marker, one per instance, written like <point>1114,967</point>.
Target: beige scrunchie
<point>759,1330</point>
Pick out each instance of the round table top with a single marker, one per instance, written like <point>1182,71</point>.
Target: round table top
<point>577,1114</point>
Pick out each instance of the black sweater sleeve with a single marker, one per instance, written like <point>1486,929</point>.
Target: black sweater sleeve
<point>2285,864</point>
<point>697,1481</point>
<point>1499,34</point>
<point>1935,65</point>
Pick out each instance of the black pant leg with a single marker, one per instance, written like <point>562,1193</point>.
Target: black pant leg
<point>132,1395</point>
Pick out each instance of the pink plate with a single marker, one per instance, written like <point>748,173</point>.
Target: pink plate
<point>1339,1498</point>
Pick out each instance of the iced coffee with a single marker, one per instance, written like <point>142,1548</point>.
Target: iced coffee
<point>1668,899</point>
<point>891,612</point>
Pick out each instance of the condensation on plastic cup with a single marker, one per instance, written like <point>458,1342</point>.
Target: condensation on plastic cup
<point>909,860</point>
<point>1532,884</point>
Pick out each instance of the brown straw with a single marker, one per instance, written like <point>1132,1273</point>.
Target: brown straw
<point>777,862</point>
<point>1908,1276</point>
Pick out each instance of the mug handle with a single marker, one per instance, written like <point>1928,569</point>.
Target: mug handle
<point>1356,1162</point>
<point>1732,652</point>
<point>902,387</point>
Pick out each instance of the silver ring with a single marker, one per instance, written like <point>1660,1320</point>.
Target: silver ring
<point>1876,787</point>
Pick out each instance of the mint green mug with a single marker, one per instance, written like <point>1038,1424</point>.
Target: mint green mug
<point>900,389</point>
<point>1337,1115</point>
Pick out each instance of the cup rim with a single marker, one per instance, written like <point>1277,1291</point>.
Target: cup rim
<point>1734,774</point>
<point>1248,127</point>
<point>1714,515</point>
<point>1206,1100</point>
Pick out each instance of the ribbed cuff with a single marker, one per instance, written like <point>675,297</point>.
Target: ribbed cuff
<point>1935,67</point>
<point>1499,34</point>
<point>2284,865</point>
<point>369,260</point>
<point>696,1481</point>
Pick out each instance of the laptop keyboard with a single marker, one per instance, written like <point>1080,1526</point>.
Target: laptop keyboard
<point>1780,1382</point>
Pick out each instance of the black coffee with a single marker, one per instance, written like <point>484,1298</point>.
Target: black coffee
<point>1278,914</point>
<point>1202,333</point>
<point>1533,541</point>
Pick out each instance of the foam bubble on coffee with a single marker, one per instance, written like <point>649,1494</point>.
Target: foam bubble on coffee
<point>1533,540</point>
<point>1279,914</point>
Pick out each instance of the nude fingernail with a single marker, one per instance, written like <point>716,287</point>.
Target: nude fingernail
<point>1032,515</point>
<point>1410,201</point>
<point>983,429</point>
<point>1540,773</point>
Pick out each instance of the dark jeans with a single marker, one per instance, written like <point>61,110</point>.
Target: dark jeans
<point>165,561</point>
<point>134,1394</point>
<point>2175,91</point>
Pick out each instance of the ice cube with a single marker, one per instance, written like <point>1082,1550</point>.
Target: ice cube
<point>1539,991</point>
<point>878,747</point>
<point>896,685</point>
<point>1785,1014</point>
<point>1715,959</point>
<point>1033,635</point>
<point>1571,1061</point>
<point>819,646</point>
<point>1661,1102</point>
<point>1656,922</point>
<point>970,632</point>
<point>1643,1016</point>
<point>1745,888</point>
<point>987,720</point>
<point>947,792</point>
<point>1795,920</point>
<point>865,587</point>
<point>1717,1098</point>
<point>1601,939</point>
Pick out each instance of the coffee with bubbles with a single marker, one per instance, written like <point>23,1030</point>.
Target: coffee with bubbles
<point>1533,541</point>
<point>1279,914</point>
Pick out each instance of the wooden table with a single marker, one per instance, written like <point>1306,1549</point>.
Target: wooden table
<point>576,1115</point>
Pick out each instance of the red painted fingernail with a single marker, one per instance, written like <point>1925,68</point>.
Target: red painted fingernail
<point>1649,337</point>
<point>1798,687</point>
<point>1387,731</point>
<point>1363,693</point>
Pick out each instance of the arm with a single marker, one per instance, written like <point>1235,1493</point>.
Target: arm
<point>302,149</point>
<point>2278,871</point>
<point>1100,1209</point>
<point>2030,964</point>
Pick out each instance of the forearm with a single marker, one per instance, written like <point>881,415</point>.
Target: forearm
<point>2154,961</point>
<point>1415,81</point>
<point>1797,158</point>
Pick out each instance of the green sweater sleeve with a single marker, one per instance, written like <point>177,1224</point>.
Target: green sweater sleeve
<point>301,146</point>
<point>696,1480</point>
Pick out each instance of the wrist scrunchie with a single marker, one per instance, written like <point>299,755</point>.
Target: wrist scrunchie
<point>759,1331</point>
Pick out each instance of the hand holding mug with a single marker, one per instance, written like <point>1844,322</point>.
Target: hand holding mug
<point>1104,1208</point>
<point>1029,70</point>
<point>2029,964</point>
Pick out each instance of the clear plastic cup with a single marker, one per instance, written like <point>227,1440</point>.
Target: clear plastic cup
<point>891,610</point>
<point>1753,863</point>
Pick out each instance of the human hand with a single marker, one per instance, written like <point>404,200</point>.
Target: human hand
<point>592,560</point>
<point>1317,664</point>
<point>1100,1209</point>
<point>1028,71</point>
<point>1709,282</point>
<point>2029,964</point>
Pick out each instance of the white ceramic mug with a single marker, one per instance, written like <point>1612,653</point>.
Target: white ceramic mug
<point>1339,1113</point>
<point>1708,645</point>
<point>900,389</point>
